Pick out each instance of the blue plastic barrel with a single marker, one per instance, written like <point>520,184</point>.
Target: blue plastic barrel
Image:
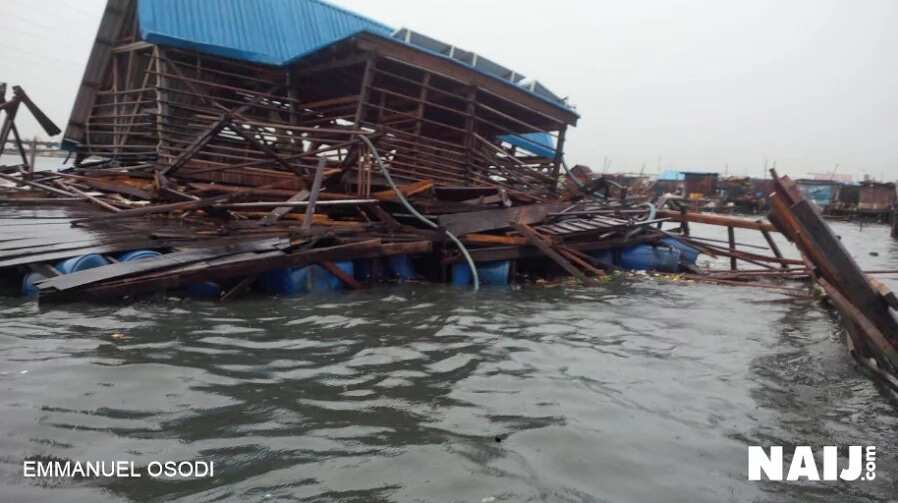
<point>82,263</point>
<point>604,257</point>
<point>650,258</point>
<point>490,273</point>
<point>286,282</point>
<point>401,266</point>
<point>137,255</point>
<point>300,280</point>
<point>363,268</point>
<point>321,280</point>
<point>29,289</point>
<point>205,290</point>
<point>74,264</point>
<point>688,253</point>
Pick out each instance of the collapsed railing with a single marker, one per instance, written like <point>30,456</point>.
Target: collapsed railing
<point>11,109</point>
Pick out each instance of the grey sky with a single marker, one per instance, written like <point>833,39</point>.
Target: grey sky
<point>698,83</point>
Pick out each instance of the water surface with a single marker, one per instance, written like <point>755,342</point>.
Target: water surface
<point>640,390</point>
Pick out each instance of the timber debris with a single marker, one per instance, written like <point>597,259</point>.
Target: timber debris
<point>376,155</point>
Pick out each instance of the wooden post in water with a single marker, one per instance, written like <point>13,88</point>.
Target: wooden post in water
<point>732,235</point>
<point>684,213</point>
<point>31,158</point>
<point>895,222</point>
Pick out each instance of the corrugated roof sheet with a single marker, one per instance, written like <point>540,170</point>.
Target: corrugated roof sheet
<point>671,175</point>
<point>541,144</point>
<point>273,32</point>
<point>279,32</point>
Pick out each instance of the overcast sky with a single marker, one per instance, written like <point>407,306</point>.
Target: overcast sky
<point>698,84</point>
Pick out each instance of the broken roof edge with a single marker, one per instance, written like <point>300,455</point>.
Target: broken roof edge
<point>561,106</point>
<point>210,49</point>
<point>260,38</point>
<point>354,14</point>
<point>531,91</point>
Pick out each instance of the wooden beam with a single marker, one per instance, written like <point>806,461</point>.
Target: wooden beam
<point>773,247</point>
<point>341,275</point>
<point>313,196</point>
<point>713,219</point>
<point>486,220</point>
<point>731,234</point>
<point>407,191</point>
<point>278,213</point>
<point>547,249</point>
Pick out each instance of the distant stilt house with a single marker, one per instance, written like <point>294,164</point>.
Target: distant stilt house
<point>876,198</point>
<point>700,186</point>
<point>243,91</point>
<point>867,199</point>
<point>744,194</point>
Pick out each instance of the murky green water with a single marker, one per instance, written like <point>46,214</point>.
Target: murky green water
<point>641,390</point>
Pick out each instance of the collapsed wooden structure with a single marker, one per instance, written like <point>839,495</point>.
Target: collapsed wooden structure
<point>207,118</point>
<point>186,137</point>
<point>226,170</point>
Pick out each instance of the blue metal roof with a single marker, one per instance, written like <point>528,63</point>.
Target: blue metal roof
<point>279,32</point>
<point>273,32</point>
<point>672,175</point>
<point>541,144</point>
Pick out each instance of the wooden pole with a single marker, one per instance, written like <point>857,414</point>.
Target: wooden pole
<point>559,157</point>
<point>31,158</point>
<point>313,196</point>
<point>895,222</point>
<point>773,246</point>
<point>731,232</point>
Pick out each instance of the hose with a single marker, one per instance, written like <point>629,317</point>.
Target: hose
<point>422,218</point>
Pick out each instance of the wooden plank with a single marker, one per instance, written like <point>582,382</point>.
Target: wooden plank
<point>36,185</point>
<point>112,187</point>
<point>74,252</point>
<point>165,208</point>
<point>546,248</point>
<point>576,258</point>
<point>407,191</point>
<point>33,246</point>
<point>491,239</point>
<point>713,219</point>
<point>97,201</point>
<point>82,278</point>
<point>278,213</point>
<point>179,277</point>
<point>773,247</point>
<point>339,273</point>
<point>487,220</point>
<point>313,196</point>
